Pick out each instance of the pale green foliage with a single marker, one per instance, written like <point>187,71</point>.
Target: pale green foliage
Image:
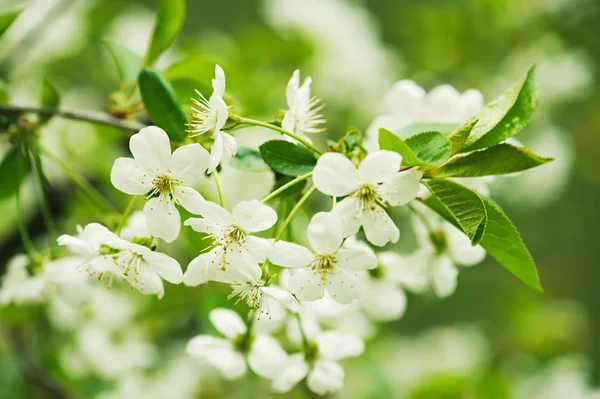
<point>128,63</point>
<point>168,23</point>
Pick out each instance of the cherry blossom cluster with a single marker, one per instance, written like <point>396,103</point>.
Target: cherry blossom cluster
<point>304,301</point>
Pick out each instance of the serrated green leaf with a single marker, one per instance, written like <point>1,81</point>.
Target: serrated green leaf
<point>248,159</point>
<point>287,158</point>
<point>161,104</point>
<point>167,25</point>
<point>49,98</point>
<point>503,242</point>
<point>13,169</point>
<point>7,19</point>
<point>433,148</point>
<point>458,138</point>
<point>500,159</point>
<point>128,62</point>
<point>454,201</point>
<point>506,115</point>
<point>415,128</point>
<point>427,148</point>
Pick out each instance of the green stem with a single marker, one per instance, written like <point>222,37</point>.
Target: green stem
<point>45,207</point>
<point>125,215</point>
<point>219,190</point>
<point>286,186</point>
<point>80,182</point>
<point>27,243</point>
<point>294,211</point>
<point>247,121</point>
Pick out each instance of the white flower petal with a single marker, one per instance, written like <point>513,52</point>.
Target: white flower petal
<point>146,281</point>
<point>324,233</point>
<point>129,178</point>
<point>403,188</point>
<point>165,266</point>
<point>162,218</point>
<point>306,285</point>
<point>200,270</point>
<point>253,216</point>
<point>266,356</point>
<point>335,175</point>
<point>348,212</point>
<point>334,345</point>
<point>384,301</point>
<point>405,97</point>
<point>283,297</point>
<point>188,198</point>
<point>325,377</point>
<point>204,226</point>
<point>290,374</point>
<point>444,276</point>
<point>288,254</point>
<point>356,259</point>
<point>380,166</point>
<point>460,248</point>
<point>379,227</point>
<point>213,212</point>
<point>344,287</point>
<point>292,87</point>
<point>219,81</point>
<point>151,148</point>
<point>219,353</point>
<point>189,163</point>
<point>228,322</point>
<point>258,248</point>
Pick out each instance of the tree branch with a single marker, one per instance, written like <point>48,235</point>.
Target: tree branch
<point>88,116</point>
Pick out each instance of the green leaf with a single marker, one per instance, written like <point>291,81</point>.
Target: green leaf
<point>458,138</point>
<point>433,148</point>
<point>287,158</point>
<point>427,148</point>
<point>415,128</point>
<point>457,203</point>
<point>13,169</point>
<point>503,242</point>
<point>161,104</point>
<point>49,98</point>
<point>168,23</point>
<point>248,159</point>
<point>500,159</point>
<point>128,62</point>
<point>293,191</point>
<point>3,92</point>
<point>506,115</point>
<point>7,19</point>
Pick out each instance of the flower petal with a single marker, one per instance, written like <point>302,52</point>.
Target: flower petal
<point>325,377</point>
<point>334,345</point>
<point>384,301</point>
<point>335,175</point>
<point>344,287</point>
<point>219,353</point>
<point>379,227</point>
<point>219,81</point>
<point>165,266</point>
<point>162,218</point>
<point>460,248</point>
<point>266,356</point>
<point>348,212</point>
<point>306,284</point>
<point>216,153</point>
<point>189,163</point>
<point>444,276</point>
<point>228,322</point>
<point>258,248</point>
<point>254,216</point>
<point>214,213</point>
<point>290,374</point>
<point>325,233</point>
<point>188,198</point>
<point>151,148</point>
<point>292,87</point>
<point>146,281</point>
<point>357,259</point>
<point>288,254</point>
<point>380,166</point>
<point>200,270</point>
<point>129,178</point>
<point>403,188</point>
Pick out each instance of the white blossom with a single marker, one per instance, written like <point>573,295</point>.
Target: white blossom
<point>376,181</point>
<point>165,179</point>
<point>303,114</point>
<point>232,245</point>
<point>107,256</point>
<point>210,116</point>
<point>329,268</point>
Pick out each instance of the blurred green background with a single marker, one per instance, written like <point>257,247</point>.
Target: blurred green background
<point>354,51</point>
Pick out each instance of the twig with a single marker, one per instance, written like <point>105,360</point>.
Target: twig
<point>88,116</point>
